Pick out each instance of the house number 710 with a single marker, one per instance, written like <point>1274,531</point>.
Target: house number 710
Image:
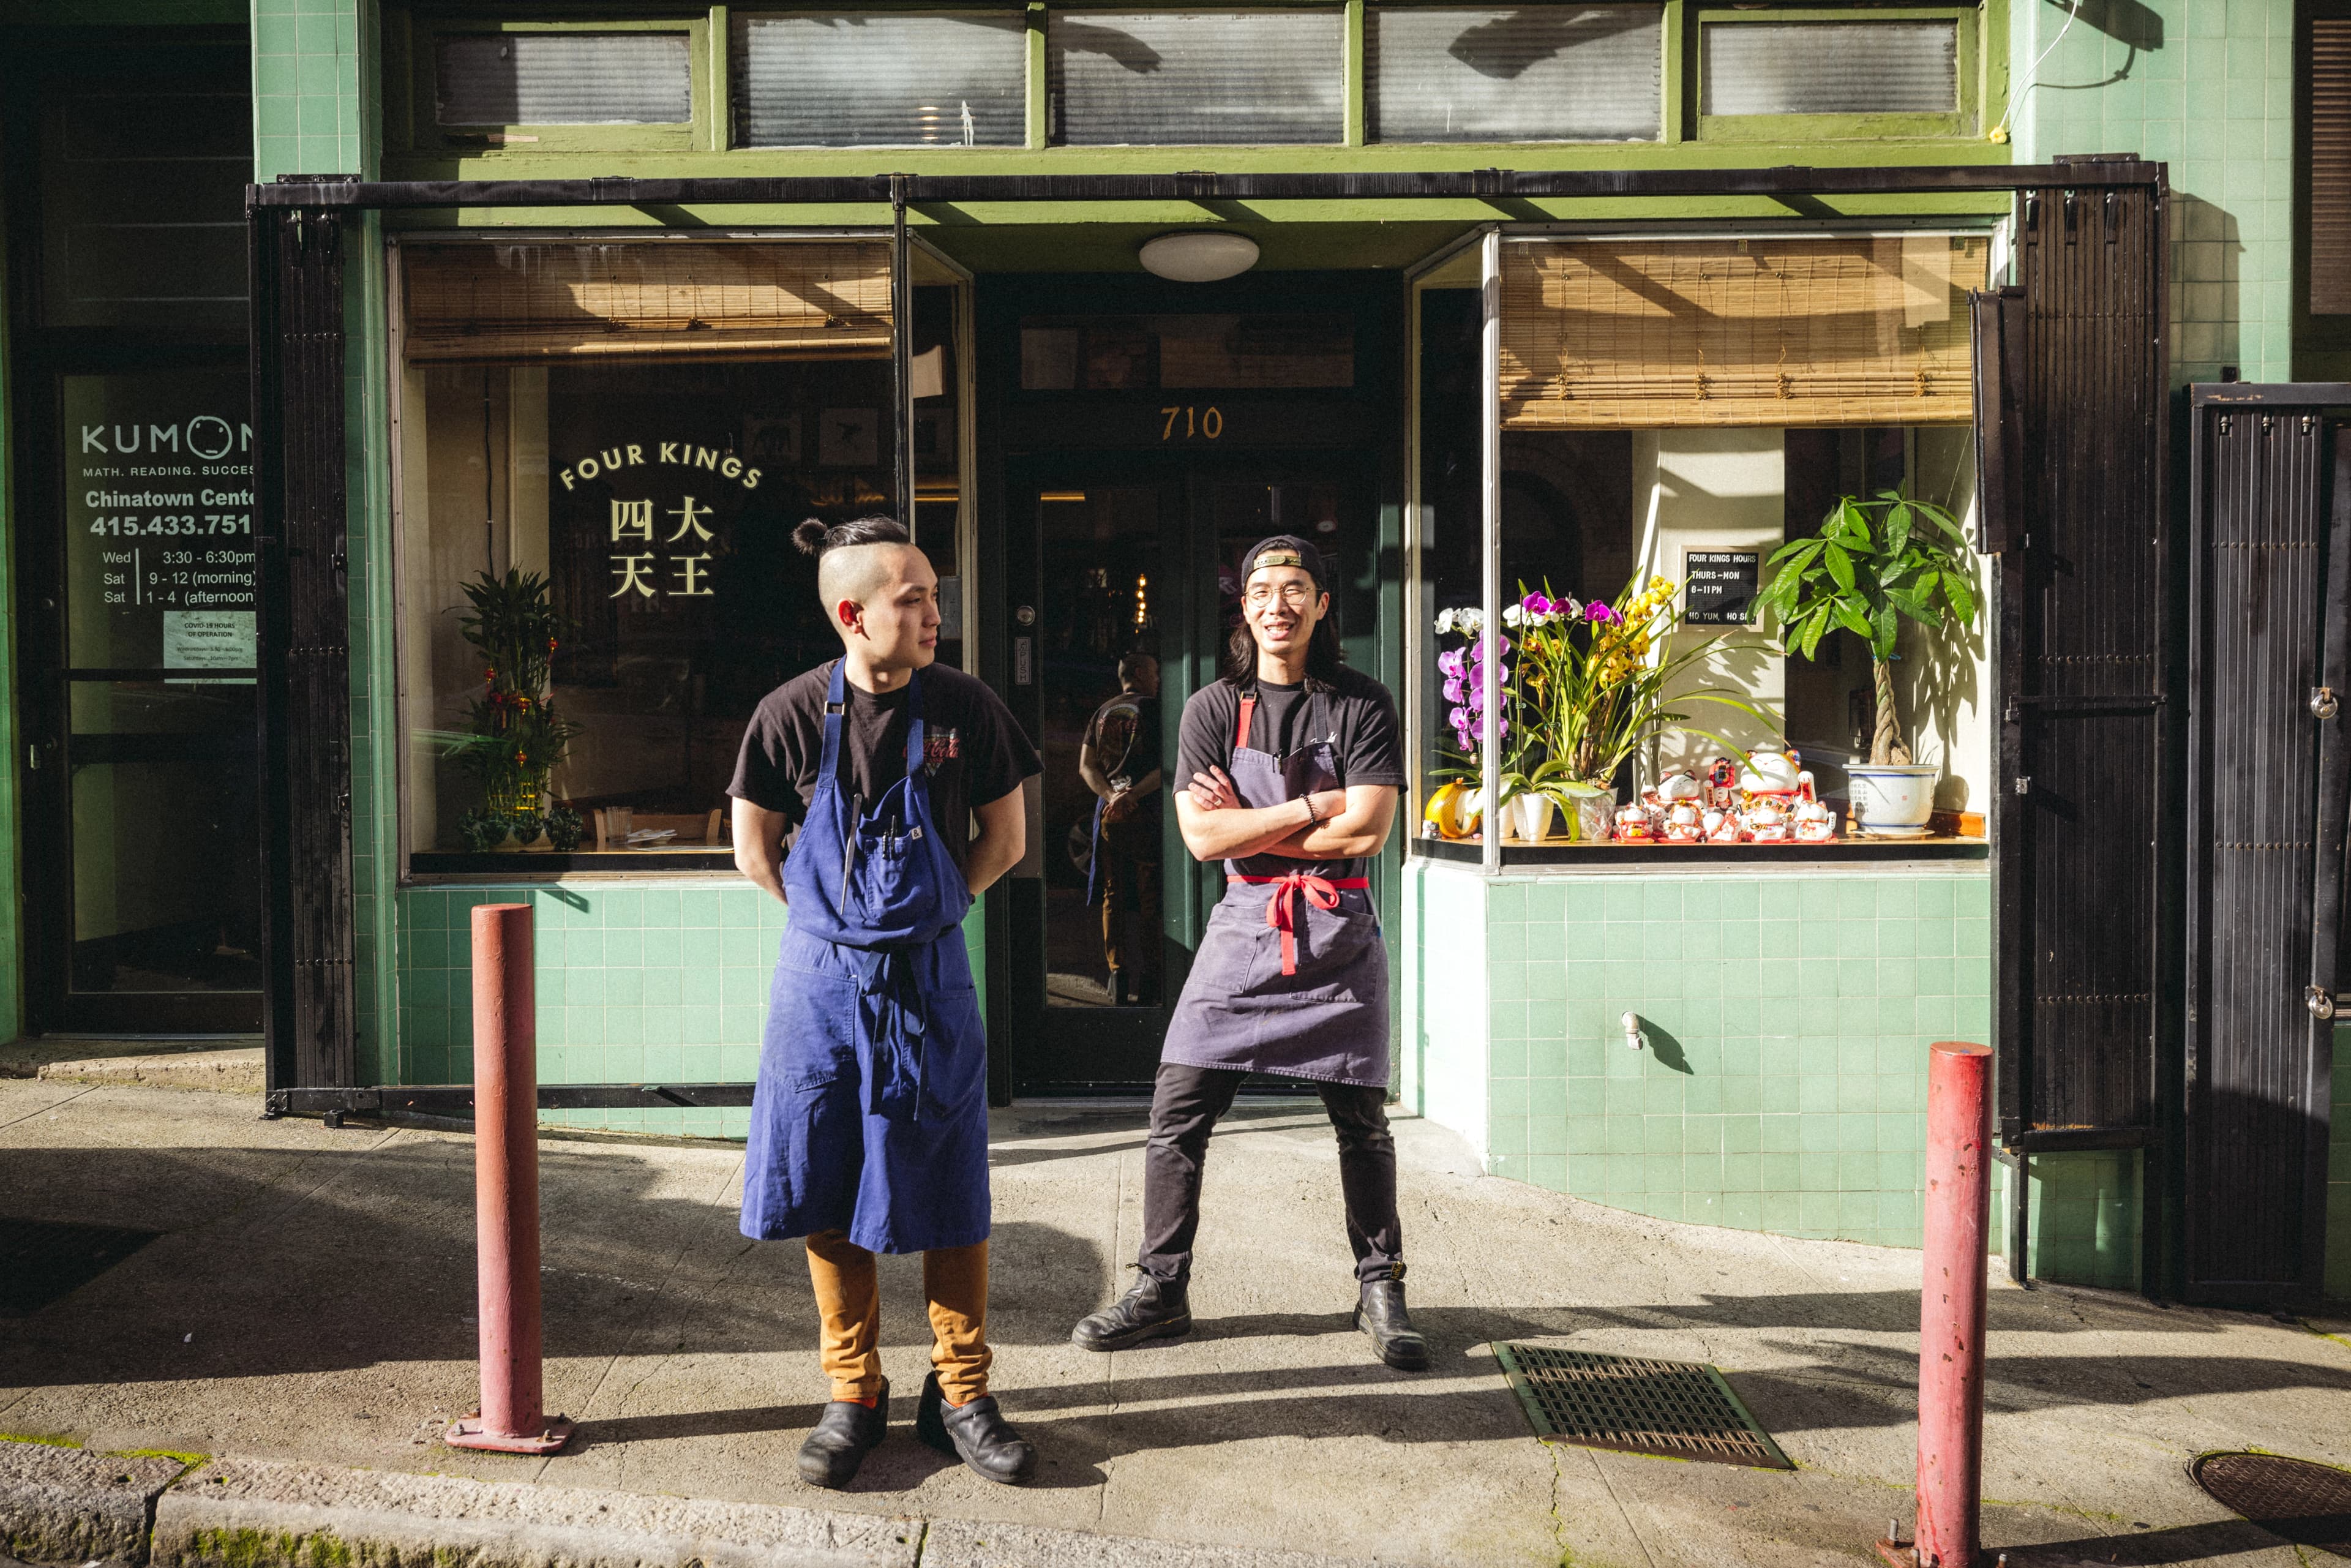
<point>1197,422</point>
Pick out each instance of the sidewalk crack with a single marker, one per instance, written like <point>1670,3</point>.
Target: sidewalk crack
<point>52,1105</point>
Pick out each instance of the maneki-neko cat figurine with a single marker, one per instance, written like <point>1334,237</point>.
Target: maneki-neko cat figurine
<point>1815,824</point>
<point>1722,785</point>
<point>1682,795</point>
<point>1720,826</point>
<point>1634,825</point>
<point>1768,821</point>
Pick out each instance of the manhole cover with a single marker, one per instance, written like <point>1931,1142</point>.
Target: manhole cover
<point>1681,1409</point>
<point>2309,1504</point>
<point>42,1260</point>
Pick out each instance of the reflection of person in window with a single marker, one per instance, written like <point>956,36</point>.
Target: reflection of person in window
<point>1119,761</point>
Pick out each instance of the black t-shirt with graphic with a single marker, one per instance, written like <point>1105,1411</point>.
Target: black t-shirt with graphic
<point>1361,726</point>
<point>973,750</point>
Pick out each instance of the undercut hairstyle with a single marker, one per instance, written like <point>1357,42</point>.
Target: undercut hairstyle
<point>847,566</point>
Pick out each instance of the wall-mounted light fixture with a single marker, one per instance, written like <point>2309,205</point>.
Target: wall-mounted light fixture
<point>1200,255</point>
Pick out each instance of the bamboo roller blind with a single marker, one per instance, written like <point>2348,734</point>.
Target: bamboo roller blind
<point>769,299</point>
<point>1650,334</point>
<point>2329,151</point>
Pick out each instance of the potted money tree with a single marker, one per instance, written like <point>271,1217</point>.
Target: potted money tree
<point>1871,566</point>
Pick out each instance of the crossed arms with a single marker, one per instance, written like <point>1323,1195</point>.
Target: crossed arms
<point>1354,822</point>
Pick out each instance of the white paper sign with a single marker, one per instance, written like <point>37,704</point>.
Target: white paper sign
<point>208,640</point>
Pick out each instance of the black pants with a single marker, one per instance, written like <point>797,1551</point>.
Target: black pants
<point>1185,1105</point>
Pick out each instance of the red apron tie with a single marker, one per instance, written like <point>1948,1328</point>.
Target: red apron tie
<point>1281,909</point>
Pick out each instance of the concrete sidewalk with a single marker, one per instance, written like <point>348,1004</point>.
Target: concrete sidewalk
<point>311,1299</point>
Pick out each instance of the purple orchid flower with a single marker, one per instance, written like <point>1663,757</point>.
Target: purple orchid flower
<point>1600,614</point>
<point>1455,663</point>
<point>1453,688</point>
<point>1536,603</point>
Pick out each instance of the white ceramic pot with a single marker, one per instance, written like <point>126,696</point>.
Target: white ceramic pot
<point>1591,818</point>
<point>1892,798</point>
<point>1530,816</point>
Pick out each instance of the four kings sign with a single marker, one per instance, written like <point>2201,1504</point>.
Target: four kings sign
<point>671,505</point>
<point>158,480</point>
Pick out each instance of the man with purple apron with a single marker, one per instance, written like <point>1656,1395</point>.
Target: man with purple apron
<point>1294,764</point>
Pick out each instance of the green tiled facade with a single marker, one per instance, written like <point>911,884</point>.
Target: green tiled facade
<point>1788,1017</point>
<point>636,984</point>
<point>314,84</point>
<point>656,980</point>
<point>2206,87</point>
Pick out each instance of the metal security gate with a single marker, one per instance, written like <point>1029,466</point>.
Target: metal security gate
<point>302,642</point>
<point>2268,787</point>
<point>2073,416</point>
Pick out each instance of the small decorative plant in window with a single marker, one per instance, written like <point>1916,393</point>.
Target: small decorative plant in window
<point>1872,565</point>
<point>517,738</point>
<point>1594,684</point>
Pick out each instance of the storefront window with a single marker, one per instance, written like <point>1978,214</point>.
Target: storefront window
<point>603,450</point>
<point>1666,416</point>
<point>1563,73</point>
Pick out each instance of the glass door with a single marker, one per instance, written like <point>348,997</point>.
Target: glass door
<point>1134,594</point>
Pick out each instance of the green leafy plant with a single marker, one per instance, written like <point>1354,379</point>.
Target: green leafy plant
<point>517,738</point>
<point>565,828</point>
<point>481,831</point>
<point>1872,565</point>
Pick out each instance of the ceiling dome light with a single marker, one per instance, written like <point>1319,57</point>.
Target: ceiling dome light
<point>1200,255</point>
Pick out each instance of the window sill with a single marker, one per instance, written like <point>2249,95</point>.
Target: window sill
<point>511,865</point>
<point>1840,851</point>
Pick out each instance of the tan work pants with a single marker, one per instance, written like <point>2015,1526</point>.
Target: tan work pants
<point>848,1299</point>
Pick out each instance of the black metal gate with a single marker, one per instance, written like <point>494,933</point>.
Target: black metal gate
<point>2086,795</point>
<point>2268,787</point>
<point>303,636</point>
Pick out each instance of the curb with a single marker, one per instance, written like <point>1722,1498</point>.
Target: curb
<point>63,1505</point>
<point>66,1505</point>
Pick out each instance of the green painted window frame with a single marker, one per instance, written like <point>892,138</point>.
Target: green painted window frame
<point>411,33</point>
<point>1965,120</point>
<point>703,132</point>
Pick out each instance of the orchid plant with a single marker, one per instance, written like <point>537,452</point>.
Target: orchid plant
<point>1596,681</point>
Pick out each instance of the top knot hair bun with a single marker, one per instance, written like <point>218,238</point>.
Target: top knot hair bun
<point>815,538</point>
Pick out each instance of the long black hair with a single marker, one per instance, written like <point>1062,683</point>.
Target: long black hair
<point>1325,659</point>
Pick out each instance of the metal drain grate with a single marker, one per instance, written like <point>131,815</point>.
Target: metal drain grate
<point>43,1260</point>
<point>2308,1504</point>
<point>1681,1409</point>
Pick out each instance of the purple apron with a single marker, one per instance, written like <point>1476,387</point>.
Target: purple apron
<point>1291,977</point>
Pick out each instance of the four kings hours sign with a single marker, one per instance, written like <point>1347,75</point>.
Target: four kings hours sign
<point>158,491</point>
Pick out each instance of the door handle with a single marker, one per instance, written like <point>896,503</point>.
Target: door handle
<point>2320,1001</point>
<point>2323,702</point>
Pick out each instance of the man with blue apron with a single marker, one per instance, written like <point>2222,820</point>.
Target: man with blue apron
<point>869,1123</point>
<point>1294,764</point>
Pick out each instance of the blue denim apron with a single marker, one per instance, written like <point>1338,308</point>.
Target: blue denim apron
<point>1292,977</point>
<point>870,1111</point>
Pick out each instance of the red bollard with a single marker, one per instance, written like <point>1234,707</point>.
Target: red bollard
<point>512,1420</point>
<point>1951,1310</point>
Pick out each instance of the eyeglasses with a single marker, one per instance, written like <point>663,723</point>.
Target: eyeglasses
<point>1294,594</point>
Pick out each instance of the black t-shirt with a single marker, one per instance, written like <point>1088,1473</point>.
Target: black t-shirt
<point>1361,723</point>
<point>1125,734</point>
<point>973,751</point>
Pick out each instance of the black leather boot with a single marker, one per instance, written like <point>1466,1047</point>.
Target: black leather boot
<point>1152,1308</point>
<point>1380,1313</point>
<point>976,1433</point>
<point>844,1434</point>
